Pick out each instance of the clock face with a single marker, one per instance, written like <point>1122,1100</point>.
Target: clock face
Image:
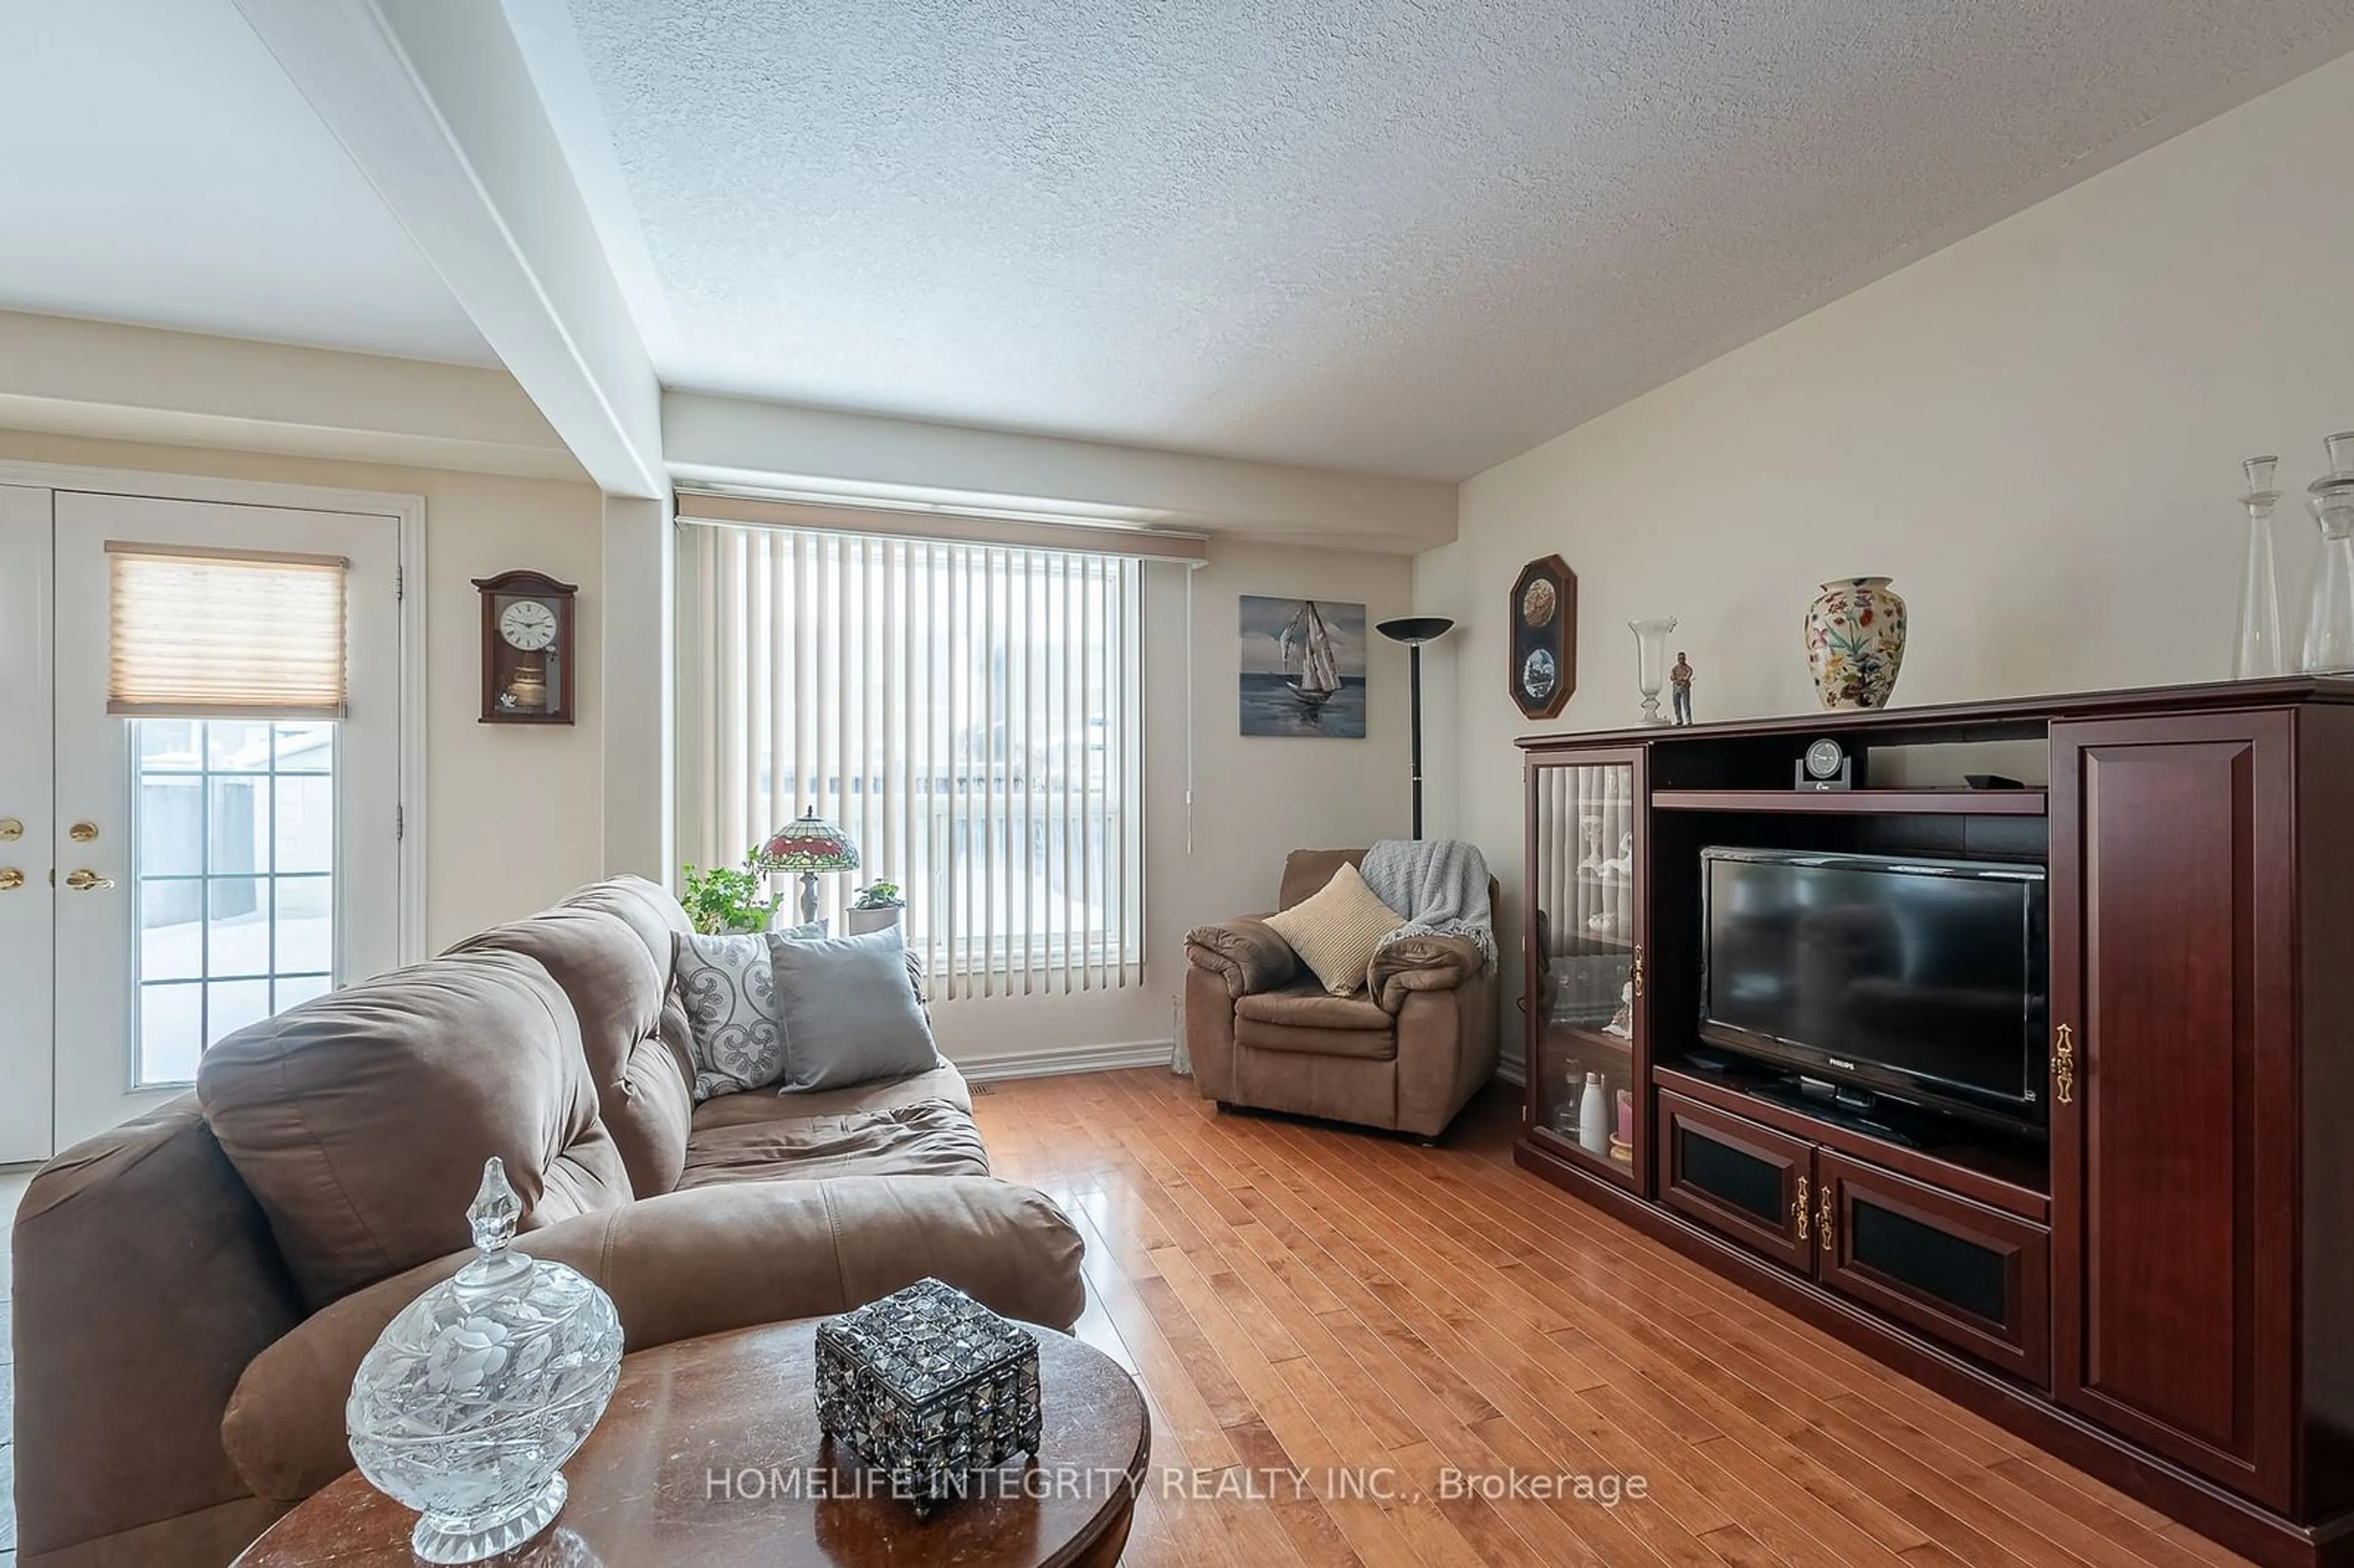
<point>527,625</point>
<point>1823,759</point>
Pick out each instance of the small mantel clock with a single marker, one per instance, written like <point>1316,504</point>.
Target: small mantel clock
<point>526,649</point>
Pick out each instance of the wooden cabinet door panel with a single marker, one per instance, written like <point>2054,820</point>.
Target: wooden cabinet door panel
<point>2174,1182</point>
<point>1741,1180</point>
<point>1976,1278</point>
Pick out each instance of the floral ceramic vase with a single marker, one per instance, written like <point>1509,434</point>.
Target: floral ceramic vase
<point>1855,643</point>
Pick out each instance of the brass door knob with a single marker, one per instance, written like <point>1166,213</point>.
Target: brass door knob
<point>82,833</point>
<point>11,879</point>
<point>10,830</point>
<point>88,881</point>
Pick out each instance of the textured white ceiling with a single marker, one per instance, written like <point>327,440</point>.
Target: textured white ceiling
<point>156,166</point>
<point>1409,239</point>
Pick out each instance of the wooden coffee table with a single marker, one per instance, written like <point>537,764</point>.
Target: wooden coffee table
<point>710,1454</point>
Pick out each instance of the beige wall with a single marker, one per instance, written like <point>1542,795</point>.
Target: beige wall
<point>2035,431</point>
<point>514,816</point>
<point>1254,799</point>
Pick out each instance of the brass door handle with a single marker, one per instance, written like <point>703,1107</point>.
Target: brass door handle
<point>2064,1067</point>
<point>88,881</point>
<point>1798,1216</point>
<point>1823,1219</point>
<point>11,879</point>
<point>1635,975</point>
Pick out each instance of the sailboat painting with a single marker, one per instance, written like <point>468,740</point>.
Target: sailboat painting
<point>1303,667</point>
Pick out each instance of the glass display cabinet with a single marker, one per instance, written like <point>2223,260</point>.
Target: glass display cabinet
<point>1585,877</point>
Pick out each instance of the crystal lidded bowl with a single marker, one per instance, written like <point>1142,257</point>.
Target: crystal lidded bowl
<point>475,1395</point>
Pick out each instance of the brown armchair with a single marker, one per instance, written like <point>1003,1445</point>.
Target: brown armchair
<point>1404,1052</point>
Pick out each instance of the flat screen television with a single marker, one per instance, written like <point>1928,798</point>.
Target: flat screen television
<point>1923,979</point>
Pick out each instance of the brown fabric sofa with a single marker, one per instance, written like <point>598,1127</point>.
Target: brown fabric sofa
<point>194,1291</point>
<point>1406,1052</point>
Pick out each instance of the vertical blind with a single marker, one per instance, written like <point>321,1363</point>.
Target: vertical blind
<point>225,633</point>
<point>970,714</point>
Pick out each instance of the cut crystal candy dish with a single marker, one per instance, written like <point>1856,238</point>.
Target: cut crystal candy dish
<point>928,1386</point>
<point>476,1394</point>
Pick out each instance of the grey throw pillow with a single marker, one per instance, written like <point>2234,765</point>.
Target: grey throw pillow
<point>849,1014</point>
<point>729,991</point>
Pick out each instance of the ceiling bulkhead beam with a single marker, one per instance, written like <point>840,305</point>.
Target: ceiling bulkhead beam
<point>436,105</point>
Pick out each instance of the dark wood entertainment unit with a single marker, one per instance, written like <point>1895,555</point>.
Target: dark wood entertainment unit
<point>2157,1285</point>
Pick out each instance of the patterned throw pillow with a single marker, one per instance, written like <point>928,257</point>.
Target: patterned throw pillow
<point>1335,931</point>
<point>729,991</point>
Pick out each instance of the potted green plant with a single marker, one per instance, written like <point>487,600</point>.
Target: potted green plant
<point>724,899</point>
<point>876,906</point>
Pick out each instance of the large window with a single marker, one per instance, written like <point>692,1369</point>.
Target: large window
<point>971,716</point>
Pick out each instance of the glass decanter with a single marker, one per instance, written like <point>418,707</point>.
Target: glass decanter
<point>2330,615</point>
<point>475,1395</point>
<point>2260,652</point>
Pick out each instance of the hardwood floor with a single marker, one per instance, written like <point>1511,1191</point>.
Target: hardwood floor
<point>1328,1324</point>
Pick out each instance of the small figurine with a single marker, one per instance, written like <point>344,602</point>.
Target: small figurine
<point>1622,1022</point>
<point>1621,865</point>
<point>1680,680</point>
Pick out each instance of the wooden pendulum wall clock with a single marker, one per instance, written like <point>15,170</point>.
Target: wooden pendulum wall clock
<point>526,649</point>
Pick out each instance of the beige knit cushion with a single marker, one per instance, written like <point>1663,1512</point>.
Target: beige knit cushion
<point>1334,931</point>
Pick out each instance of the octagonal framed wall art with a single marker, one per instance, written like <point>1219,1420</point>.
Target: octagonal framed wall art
<point>1543,640</point>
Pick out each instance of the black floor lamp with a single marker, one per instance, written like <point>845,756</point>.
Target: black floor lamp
<point>1414,631</point>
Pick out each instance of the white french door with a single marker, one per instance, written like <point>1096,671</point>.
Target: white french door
<point>28,774</point>
<point>194,875</point>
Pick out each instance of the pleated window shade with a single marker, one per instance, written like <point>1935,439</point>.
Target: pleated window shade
<point>225,633</point>
<point>970,714</point>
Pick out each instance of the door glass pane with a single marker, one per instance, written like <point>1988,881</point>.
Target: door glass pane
<point>172,818</point>
<point>305,924</point>
<point>171,1031</point>
<point>236,926</point>
<point>306,749</point>
<point>230,1005</point>
<point>235,856</point>
<point>304,827</point>
<point>170,745</point>
<point>234,747</point>
<point>1584,1010</point>
<point>171,929</point>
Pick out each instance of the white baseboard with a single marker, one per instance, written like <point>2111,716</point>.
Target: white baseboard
<point>1513,1069</point>
<point>1068,1059</point>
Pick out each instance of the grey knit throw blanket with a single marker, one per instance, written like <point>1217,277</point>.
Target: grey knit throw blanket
<point>1440,885</point>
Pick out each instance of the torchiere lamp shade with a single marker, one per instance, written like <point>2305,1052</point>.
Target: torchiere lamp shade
<point>1414,628</point>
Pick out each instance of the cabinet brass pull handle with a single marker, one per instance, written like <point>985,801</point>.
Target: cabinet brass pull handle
<point>1635,975</point>
<point>87,881</point>
<point>11,879</point>
<point>1798,1214</point>
<point>2064,1067</point>
<point>1823,1219</point>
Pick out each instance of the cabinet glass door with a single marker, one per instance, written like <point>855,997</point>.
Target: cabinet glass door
<point>1585,1008</point>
